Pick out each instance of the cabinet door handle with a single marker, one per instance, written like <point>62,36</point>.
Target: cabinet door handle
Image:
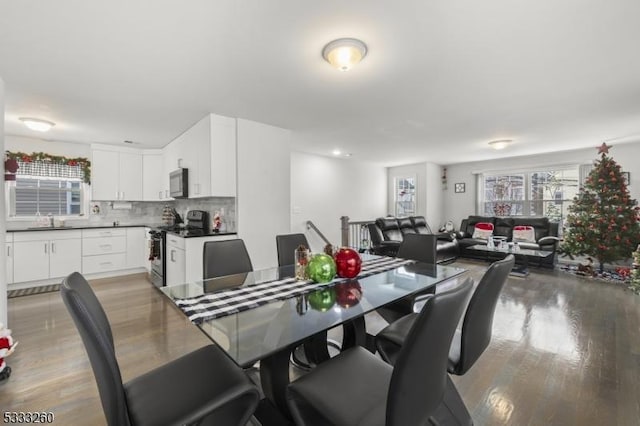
<point>53,247</point>
<point>159,195</point>
<point>106,233</point>
<point>8,251</point>
<point>46,248</point>
<point>173,252</point>
<point>122,198</point>
<point>105,246</point>
<point>105,263</point>
<point>117,195</point>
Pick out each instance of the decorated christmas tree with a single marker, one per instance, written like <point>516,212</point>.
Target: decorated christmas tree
<point>634,282</point>
<point>603,221</point>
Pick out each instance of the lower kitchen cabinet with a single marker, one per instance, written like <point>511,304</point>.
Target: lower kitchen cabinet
<point>43,255</point>
<point>184,257</point>
<point>103,250</point>
<point>9,258</point>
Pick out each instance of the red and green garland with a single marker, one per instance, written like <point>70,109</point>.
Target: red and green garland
<point>83,162</point>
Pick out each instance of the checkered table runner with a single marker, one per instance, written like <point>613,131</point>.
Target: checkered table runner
<point>227,302</point>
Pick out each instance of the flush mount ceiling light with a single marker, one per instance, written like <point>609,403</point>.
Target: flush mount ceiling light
<point>344,53</point>
<point>500,144</point>
<point>37,124</point>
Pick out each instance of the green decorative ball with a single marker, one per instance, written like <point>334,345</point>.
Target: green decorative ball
<point>322,300</point>
<point>321,268</point>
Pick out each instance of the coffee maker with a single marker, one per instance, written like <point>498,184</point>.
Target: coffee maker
<point>198,220</point>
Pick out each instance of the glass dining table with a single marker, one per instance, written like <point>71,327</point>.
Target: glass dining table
<point>269,329</point>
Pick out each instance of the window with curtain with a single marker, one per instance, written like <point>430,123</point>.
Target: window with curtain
<point>46,187</point>
<point>530,193</point>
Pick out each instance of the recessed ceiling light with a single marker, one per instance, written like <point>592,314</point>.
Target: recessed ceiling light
<point>336,152</point>
<point>37,124</point>
<point>344,53</point>
<point>500,144</point>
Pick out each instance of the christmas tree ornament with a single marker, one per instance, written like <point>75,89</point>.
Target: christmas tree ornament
<point>348,263</point>
<point>348,294</point>
<point>322,300</point>
<point>321,268</point>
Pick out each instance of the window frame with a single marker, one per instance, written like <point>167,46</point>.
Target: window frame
<point>528,200</point>
<point>396,201</point>
<point>11,206</point>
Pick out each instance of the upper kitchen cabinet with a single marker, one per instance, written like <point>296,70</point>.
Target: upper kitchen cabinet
<point>116,173</point>
<point>208,151</point>
<point>153,175</point>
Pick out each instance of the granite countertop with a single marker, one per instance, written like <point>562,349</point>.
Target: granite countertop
<point>74,227</point>
<point>192,233</point>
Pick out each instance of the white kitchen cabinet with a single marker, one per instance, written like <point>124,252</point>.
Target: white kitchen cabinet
<point>64,257</point>
<point>170,158</point>
<point>208,150</point>
<point>103,250</point>
<point>137,256</point>
<point>9,258</point>
<point>184,257</point>
<point>116,174</point>
<point>223,156</point>
<point>152,176</point>
<point>41,255</point>
<point>175,258</point>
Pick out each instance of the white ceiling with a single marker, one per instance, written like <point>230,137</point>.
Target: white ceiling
<point>441,78</point>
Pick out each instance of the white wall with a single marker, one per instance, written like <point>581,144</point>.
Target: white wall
<point>3,272</point>
<point>459,206</point>
<point>429,192</point>
<point>263,189</point>
<point>29,145</point>
<point>323,189</point>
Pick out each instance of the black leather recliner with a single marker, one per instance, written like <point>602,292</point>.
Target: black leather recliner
<point>387,234</point>
<point>546,235</point>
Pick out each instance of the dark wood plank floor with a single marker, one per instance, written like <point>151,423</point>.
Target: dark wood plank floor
<point>565,351</point>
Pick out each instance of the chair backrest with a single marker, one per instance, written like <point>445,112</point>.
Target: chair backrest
<point>286,245</point>
<point>389,228</point>
<point>420,225</point>
<point>478,320</point>
<point>222,258</point>
<point>375,234</point>
<point>406,226</point>
<point>93,326</point>
<point>420,247</point>
<point>419,378</point>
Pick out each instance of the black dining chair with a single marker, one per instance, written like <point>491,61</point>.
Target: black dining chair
<point>418,247</point>
<point>471,341</point>
<point>202,387</point>
<point>222,258</point>
<point>358,388</point>
<point>286,246</point>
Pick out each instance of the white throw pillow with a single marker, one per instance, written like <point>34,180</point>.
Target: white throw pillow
<point>483,231</point>
<point>524,233</point>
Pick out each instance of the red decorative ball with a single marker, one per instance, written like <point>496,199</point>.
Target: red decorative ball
<point>348,263</point>
<point>348,293</point>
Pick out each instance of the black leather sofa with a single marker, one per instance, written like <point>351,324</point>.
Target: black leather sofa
<point>546,235</point>
<point>387,233</point>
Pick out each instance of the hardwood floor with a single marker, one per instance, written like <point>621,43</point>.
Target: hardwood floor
<point>565,351</point>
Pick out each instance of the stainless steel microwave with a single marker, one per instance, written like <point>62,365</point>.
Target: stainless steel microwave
<point>179,183</point>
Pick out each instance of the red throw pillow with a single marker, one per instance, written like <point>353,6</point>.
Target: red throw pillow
<point>524,233</point>
<point>483,230</point>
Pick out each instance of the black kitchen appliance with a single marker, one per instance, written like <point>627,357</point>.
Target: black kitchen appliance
<point>156,257</point>
<point>198,220</point>
<point>179,183</point>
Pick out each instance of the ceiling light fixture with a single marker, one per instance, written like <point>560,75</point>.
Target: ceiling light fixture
<point>37,124</point>
<point>500,144</point>
<point>336,152</point>
<point>344,53</point>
